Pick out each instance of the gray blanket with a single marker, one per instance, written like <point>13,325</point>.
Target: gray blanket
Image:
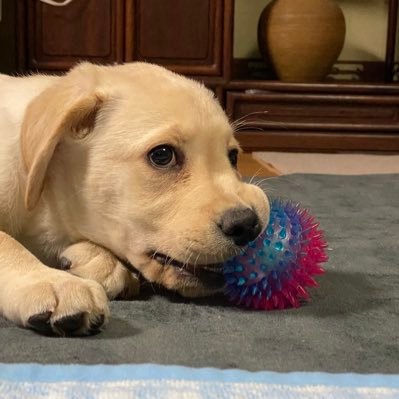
<point>351,325</point>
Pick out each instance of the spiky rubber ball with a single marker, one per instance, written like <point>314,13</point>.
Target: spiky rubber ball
<point>276,269</point>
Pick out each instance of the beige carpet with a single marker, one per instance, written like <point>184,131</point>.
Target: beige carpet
<point>337,164</point>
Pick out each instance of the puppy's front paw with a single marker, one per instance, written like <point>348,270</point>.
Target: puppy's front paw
<point>93,262</point>
<point>61,304</point>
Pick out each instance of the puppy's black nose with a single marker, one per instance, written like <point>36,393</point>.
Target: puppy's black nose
<point>241,225</point>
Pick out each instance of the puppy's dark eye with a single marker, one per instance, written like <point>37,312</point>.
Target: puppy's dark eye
<point>233,157</point>
<point>163,156</point>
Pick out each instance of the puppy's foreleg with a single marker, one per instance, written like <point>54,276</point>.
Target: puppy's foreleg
<point>90,261</point>
<point>47,300</point>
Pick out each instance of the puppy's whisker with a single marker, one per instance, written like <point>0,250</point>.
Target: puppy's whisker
<point>168,262</point>
<point>246,116</point>
<point>196,261</point>
<point>249,126</point>
<point>255,175</point>
<point>267,188</point>
<point>263,183</point>
<point>188,249</point>
<point>152,287</point>
<point>258,182</point>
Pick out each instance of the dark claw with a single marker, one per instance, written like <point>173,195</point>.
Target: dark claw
<point>97,323</point>
<point>69,324</point>
<point>41,322</point>
<point>64,263</point>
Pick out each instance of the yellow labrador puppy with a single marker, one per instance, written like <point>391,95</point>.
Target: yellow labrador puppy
<point>110,163</point>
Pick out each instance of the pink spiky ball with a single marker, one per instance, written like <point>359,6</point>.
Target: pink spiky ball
<point>276,269</point>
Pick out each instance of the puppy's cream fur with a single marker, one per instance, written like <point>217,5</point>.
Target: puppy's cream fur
<point>75,181</point>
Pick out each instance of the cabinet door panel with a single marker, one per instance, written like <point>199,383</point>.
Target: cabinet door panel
<point>164,42</point>
<point>84,29</point>
<point>183,35</point>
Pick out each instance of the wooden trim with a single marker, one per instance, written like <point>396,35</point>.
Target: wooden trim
<point>21,33</point>
<point>355,71</point>
<point>391,40</point>
<point>333,127</point>
<point>341,88</point>
<point>218,45</point>
<point>311,98</point>
<point>219,93</point>
<point>32,41</point>
<point>317,141</point>
<point>228,39</point>
<point>129,31</point>
<point>119,31</point>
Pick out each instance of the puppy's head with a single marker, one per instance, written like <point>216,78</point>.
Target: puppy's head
<point>144,162</point>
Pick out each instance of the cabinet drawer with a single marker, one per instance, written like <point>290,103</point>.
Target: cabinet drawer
<point>84,29</point>
<point>316,121</point>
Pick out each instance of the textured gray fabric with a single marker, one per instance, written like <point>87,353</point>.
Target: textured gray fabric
<point>352,324</point>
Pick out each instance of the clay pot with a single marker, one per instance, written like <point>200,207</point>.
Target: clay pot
<point>301,38</point>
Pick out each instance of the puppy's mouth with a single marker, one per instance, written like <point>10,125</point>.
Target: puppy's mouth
<point>210,275</point>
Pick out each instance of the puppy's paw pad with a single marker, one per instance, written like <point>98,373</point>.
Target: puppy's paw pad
<point>70,325</point>
<point>64,305</point>
<point>97,323</point>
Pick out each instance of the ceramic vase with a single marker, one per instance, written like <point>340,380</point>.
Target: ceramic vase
<point>302,39</point>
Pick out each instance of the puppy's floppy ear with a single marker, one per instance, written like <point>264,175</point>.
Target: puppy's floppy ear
<point>69,107</point>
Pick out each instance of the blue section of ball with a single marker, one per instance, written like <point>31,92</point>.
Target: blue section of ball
<point>269,260</point>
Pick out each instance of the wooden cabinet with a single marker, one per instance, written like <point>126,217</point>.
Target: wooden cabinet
<point>194,37</point>
<point>186,36</point>
<point>58,37</point>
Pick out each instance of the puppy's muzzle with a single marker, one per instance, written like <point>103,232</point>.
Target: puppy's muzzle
<point>241,225</point>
